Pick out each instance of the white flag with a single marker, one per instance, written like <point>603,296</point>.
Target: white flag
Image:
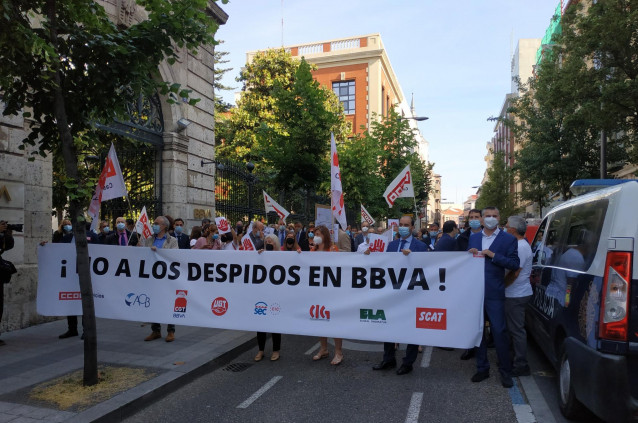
<point>338,210</point>
<point>365,216</point>
<point>272,205</point>
<point>400,187</point>
<point>223,226</point>
<point>110,185</point>
<point>143,225</point>
<point>247,243</point>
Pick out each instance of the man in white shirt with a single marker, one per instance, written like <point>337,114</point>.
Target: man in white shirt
<point>518,291</point>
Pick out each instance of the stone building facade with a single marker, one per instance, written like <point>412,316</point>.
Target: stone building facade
<point>187,186</point>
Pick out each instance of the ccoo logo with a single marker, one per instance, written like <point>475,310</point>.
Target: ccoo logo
<point>219,306</point>
<point>76,295</point>
<point>319,312</point>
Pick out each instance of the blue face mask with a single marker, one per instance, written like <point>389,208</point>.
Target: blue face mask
<point>461,230</point>
<point>106,230</point>
<point>311,235</point>
<point>404,231</point>
<point>178,230</point>
<point>348,232</point>
<point>156,229</point>
<point>433,234</point>
<point>120,226</point>
<point>475,224</point>
<point>215,236</point>
<point>67,228</point>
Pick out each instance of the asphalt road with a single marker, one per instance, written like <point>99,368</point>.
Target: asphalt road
<point>296,389</point>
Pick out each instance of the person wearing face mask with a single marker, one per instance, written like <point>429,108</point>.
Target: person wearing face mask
<point>210,239</point>
<point>239,227</point>
<point>280,231</point>
<point>290,243</point>
<point>257,235</point>
<point>230,241</point>
<point>160,239</point>
<point>364,238</point>
<point>447,242</point>
<point>64,234</point>
<point>121,236</point>
<point>178,232</point>
<point>104,231</point>
<point>500,252</point>
<point>359,239</point>
<point>309,237</point>
<point>406,244</point>
<point>430,240</point>
<point>271,243</point>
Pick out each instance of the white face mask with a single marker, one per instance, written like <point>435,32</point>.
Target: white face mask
<point>317,240</point>
<point>490,222</point>
<point>364,229</point>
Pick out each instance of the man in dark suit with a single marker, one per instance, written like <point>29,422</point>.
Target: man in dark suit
<point>121,236</point>
<point>500,250</point>
<point>183,240</point>
<point>301,237</point>
<point>430,240</point>
<point>405,244</point>
<point>448,239</point>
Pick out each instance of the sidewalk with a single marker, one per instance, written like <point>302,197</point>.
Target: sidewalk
<point>35,355</point>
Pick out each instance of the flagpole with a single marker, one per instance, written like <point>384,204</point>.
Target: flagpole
<point>416,215</point>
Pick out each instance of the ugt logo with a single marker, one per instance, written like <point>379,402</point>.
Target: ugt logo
<point>368,315</point>
<point>431,318</point>
<point>319,312</point>
<point>219,306</point>
<point>261,308</point>
<point>141,300</point>
<point>180,301</point>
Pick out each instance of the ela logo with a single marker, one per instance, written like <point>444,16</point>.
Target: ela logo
<point>368,315</point>
<point>180,301</point>
<point>219,306</point>
<point>431,318</point>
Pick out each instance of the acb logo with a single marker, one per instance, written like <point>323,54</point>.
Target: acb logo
<point>180,301</point>
<point>141,300</point>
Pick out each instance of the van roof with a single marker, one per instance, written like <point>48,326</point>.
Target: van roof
<point>583,186</point>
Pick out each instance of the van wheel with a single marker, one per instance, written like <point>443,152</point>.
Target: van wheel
<point>569,405</point>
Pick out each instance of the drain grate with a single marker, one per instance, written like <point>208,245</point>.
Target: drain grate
<point>237,367</point>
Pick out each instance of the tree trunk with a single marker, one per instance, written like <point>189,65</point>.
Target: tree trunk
<point>69,154</point>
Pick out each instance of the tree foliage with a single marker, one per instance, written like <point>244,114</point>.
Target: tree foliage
<point>496,190</point>
<point>66,66</point>
<point>585,83</point>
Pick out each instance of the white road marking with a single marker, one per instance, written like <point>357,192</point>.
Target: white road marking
<point>524,413</point>
<point>427,355</point>
<point>536,400</point>
<point>260,392</point>
<point>415,408</point>
<point>313,348</point>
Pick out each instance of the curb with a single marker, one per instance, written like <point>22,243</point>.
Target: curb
<point>130,402</point>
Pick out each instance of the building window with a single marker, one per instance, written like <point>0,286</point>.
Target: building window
<point>345,92</point>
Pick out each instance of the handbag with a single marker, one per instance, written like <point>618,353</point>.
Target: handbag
<point>6,270</point>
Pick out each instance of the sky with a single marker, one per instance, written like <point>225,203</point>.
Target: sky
<point>455,56</point>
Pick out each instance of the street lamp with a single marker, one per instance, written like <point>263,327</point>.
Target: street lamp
<point>417,118</point>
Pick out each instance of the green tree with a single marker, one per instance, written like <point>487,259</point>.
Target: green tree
<point>496,190</point>
<point>219,58</point>
<point>67,66</point>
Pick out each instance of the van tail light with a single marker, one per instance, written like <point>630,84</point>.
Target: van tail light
<point>615,299</point>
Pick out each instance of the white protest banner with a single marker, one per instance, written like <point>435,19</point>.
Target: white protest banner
<point>401,186</point>
<point>143,225</point>
<point>336,190</point>
<point>272,205</point>
<point>323,216</point>
<point>222,225</point>
<point>365,216</point>
<point>378,243</point>
<point>247,243</point>
<point>422,298</point>
<point>110,185</point>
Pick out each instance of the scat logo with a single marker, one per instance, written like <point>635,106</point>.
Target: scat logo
<point>261,308</point>
<point>219,306</point>
<point>431,318</point>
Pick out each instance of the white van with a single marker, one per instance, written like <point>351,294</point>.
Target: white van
<point>584,312</point>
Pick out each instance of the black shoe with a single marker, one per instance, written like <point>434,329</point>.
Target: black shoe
<point>384,365</point>
<point>446,348</point>
<point>507,381</point>
<point>404,369</point>
<point>467,354</point>
<point>522,371</point>
<point>2,342</point>
<point>480,376</point>
<point>68,334</point>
